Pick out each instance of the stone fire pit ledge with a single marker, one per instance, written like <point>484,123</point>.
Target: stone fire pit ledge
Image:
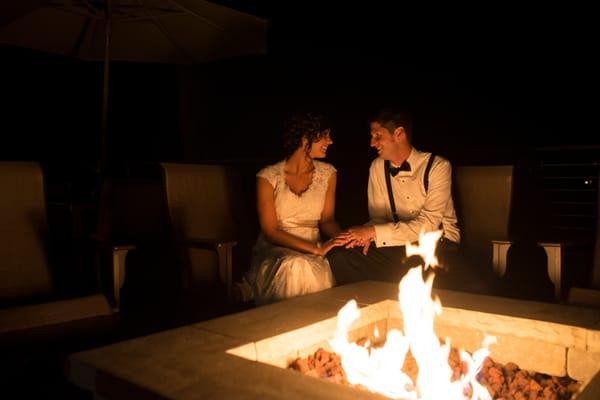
<point>195,361</point>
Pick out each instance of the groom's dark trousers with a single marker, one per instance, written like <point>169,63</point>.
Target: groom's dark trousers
<point>390,264</point>
<point>379,264</point>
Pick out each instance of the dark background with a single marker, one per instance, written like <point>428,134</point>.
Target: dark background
<point>494,84</point>
<point>500,79</point>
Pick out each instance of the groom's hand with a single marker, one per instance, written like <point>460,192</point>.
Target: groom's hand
<point>365,249</point>
<point>359,236</point>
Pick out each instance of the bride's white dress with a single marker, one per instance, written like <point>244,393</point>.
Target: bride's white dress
<point>279,272</point>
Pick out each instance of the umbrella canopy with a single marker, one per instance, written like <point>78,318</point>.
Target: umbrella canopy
<point>163,31</point>
<point>158,31</point>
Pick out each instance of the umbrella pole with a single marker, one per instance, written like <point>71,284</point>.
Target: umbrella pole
<point>104,132</point>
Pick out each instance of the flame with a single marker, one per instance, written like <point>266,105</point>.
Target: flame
<point>426,247</point>
<point>380,369</point>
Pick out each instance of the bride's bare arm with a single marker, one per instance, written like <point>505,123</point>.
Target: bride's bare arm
<point>327,223</point>
<point>267,217</point>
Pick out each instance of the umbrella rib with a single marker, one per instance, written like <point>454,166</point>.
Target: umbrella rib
<point>73,9</point>
<point>188,11</point>
<point>94,29</point>
<point>84,30</point>
<point>125,13</point>
<point>145,17</point>
<point>93,10</point>
<point>166,33</point>
<point>128,13</point>
<point>82,13</point>
<point>75,12</point>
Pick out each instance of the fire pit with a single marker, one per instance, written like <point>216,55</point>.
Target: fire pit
<point>246,355</point>
<point>413,328</point>
<point>545,346</point>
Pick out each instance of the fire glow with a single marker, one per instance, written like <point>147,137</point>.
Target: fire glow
<point>380,369</point>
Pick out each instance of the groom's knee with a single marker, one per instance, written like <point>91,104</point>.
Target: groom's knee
<point>343,266</point>
<point>335,257</point>
<point>340,256</point>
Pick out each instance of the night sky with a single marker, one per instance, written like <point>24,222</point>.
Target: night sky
<point>493,79</point>
<point>486,85</point>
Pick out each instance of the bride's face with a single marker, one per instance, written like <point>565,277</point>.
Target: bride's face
<point>318,149</point>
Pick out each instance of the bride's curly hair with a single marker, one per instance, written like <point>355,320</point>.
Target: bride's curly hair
<point>302,124</point>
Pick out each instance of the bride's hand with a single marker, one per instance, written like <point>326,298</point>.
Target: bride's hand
<point>330,244</point>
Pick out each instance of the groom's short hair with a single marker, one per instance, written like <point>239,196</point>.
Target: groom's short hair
<point>391,118</point>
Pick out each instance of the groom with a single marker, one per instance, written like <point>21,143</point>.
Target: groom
<point>409,191</point>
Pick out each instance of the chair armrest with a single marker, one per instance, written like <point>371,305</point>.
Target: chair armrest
<point>224,250</point>
<point>118,254</point>
<point>207,243</point>
<point>499,250</point>
<point>554,252</point>
<point>584,297</point>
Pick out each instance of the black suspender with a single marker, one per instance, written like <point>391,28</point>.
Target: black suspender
<point>427,169</point>
<point>388,183</point>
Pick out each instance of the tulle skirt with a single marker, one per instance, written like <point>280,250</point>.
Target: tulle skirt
<point>279,273</point>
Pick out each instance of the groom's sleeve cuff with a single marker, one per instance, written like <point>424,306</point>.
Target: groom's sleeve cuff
<point>383,235</point>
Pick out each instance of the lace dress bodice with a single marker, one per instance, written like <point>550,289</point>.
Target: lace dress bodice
<point>299,214</point>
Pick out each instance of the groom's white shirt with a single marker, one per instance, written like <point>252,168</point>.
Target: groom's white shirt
<point>416,209</point>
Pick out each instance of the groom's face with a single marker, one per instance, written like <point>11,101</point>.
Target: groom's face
<point>383,141</point>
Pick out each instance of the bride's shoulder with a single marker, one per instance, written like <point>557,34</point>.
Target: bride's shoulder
<point>270,172</point>
<point>324,168</point>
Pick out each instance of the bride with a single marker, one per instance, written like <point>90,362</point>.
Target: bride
<point>296,203</point>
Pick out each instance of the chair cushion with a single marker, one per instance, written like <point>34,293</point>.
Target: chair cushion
<point>483,198</point>
<point>40,315</point>
<point>24,269</point>
<point>200,200</point>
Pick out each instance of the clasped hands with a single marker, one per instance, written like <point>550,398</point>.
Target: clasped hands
<point>356,236</point>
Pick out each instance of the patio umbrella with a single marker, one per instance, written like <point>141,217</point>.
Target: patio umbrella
<point>156,31</point>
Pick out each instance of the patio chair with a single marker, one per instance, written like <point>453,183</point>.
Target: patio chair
<point>484,197</point>
<point>32,308</point>
<point>201,205</point>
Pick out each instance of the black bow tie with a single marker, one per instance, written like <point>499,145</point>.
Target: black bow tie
<point>404,167</point>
